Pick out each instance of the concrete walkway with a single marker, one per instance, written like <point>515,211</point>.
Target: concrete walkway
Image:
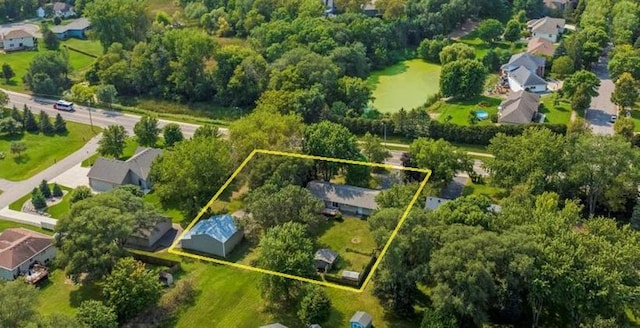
<point>22,188</point>
<point>28,218</point>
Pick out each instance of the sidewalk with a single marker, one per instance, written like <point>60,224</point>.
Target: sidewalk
<point>28,218</point>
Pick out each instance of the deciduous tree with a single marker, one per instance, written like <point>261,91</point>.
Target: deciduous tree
<point>120,21</point>
<point>315,305</point>
<point>172,134</point>
<point>625,93</point>
<point>462,78</point>
<point>113,140</point>
<point>263,129</point>
<point>80,193</point>
<point>18,302</point>
<point>146,131</point>
<point>456,52</point>
<point>95,314</point>
<point>17,147</point>
<point>330,140</point>
<point>513,31</point>
<point>624,127</point>
<point>489,30</point>
<point>581,82</point>
<point>562,66</point>
<point>373,149</point>
<point>443,159</point>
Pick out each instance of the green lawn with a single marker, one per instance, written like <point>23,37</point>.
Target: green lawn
<point>167,6</point>
<point>20,61</point>
<point>635,115</point>
<point>129,150</point>
<point>4,224</point>
<point>56,211</point>
<point>560,114</point>
<point>482,47</point>
<point>457,112</point>
<point>42,150</point>
<point>59,295</point>
<point>485,189</point>
<point>406,85</point>
<point>171,211</point>
<point>351,233</point>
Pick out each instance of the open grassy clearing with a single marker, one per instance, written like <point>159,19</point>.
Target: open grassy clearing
<point>345,237</point>
<point>59,295</point>
<point>635,116</point>
<point>171,210</point>
<point>5,224</point>
<point>485,189</point>
<point>406,85</point>
<point>457,111</point>
<point>20,61</point>
<point>482,47</point>
<point>42,150</point>
<point>210,113</point>
<point>556,114</point>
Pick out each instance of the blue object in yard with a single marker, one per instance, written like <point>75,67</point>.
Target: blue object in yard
<point>480,114</point>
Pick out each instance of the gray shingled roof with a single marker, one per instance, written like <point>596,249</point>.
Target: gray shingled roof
<point>344,194</point>
<point>525,77</point>
<point>546,25</point>
<point>362,318</point>
<point>116,171</point>
<point>527,60</point>
<point>77,24</point>
<point>519,107</point>
<point>326,255</point>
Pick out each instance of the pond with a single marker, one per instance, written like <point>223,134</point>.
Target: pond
<point>406,85</point>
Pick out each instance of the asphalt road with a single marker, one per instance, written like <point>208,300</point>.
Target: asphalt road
<point>86,115</point>
<point>601,109</point>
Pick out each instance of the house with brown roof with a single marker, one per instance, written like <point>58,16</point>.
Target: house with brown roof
<point>540,46</point>
<point>20,249</point>
<point>519,108</point>
<point>108,173</point>
<point>17,40</point>
<point>547,28</point>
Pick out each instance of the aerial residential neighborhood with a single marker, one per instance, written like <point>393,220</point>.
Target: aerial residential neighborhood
<point>410,163</point>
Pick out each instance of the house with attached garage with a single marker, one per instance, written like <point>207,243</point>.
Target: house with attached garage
<point>520,107</point>
<point>21,249</point>
<point>540,46</point>
<point>217,235</point>
<point>108,173</point>
<point>63,10</point>
<point>348,199</point>
<point>524,71</point>
<point>17,40</point>
<point>547,28</point>
<point>76,29</point>
<point>148,238</point>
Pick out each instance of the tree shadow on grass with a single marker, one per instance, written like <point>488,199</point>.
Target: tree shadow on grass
<point>22,159</point>
<point>88,291</point>
<point>396,69</point>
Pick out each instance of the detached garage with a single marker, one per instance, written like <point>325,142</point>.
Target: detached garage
<point>217,235</point>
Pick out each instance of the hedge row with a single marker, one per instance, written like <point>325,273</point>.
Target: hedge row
<point>473,134</point>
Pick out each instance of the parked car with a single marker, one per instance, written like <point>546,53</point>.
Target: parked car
<point>63,105</point>
<point>613,118</point>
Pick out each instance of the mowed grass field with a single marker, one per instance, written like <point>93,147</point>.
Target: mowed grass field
<point>457,112</point>
<point>351,233</point>
<point>557,114</point>
<point>20,60</point>
<point>406,85</point>
<point>42,150</point>
<point>482,47</point>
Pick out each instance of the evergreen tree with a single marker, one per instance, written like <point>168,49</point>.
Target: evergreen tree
<point>29,121</point>
<point>46,126</point>
<point>7,72</point>
<point>38,200</point>
<point>15,114</point>
<point>57,191</point>
<point>44,189</point>
<point>60,126</point>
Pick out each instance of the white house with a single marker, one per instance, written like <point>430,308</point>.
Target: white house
<point>17,40</point>
<point>524,79</point>
<point>20,249</point>
<point>40,12</point>
<point>546,28</point>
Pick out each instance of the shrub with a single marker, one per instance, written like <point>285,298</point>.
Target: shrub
<point>44,188</point>
<point>38,200</point>
<point>57,191</point>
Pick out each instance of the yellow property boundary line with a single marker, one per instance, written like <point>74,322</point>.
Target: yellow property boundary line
<point>172,249</point>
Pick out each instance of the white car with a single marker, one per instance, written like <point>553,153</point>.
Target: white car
<point>63,105</point>
<point>613,118</point>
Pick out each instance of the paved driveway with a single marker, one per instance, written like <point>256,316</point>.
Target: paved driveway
<point>601,107</point>
<point>74,177</point>
<point>29,27</point>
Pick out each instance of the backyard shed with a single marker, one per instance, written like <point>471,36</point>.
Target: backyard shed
<point>361,319</point>
<point>325,258</point>
<point>350,275</point>
<point>217,235</point>
<point>346,198</point>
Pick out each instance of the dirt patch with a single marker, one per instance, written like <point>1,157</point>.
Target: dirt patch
<point>464,29</point>
<point>355,241</point>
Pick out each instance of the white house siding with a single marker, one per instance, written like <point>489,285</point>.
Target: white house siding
<point>47,254</point>
<point>551,37</point>
<point>204,244</point>
<point>99,185</point>
<point>515,86</point>
<point>18,43</point>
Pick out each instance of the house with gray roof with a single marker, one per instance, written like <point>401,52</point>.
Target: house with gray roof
<point>20,249</point>
<point>324,259</point>
<point>217,235</point>
<point>108,173</point>
<point>63,10</point>
<point>76,29</point>
<point>148,238</point>
<point>533,63</point>
<point>547,28</point>
<point>346,198</point>
<point>524,79</point>
<point>519,108</point>
<point>361,319</point>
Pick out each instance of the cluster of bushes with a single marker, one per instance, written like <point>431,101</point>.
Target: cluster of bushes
<point>40,194</point>
<point>473,135</point>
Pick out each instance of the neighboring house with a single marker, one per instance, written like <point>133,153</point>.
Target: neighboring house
<point>325,258</point>
<point>370,10</point>
<point>519,108</point>
<point>433,203</point>
<point>63,10</point>
<point>274,325</point>
<point>20,249</point>
<point>533,63</point>
<point>524,79</point>
<point>40,12</point>
<point>217,235</point>
<point>17,40</point>
<point>107,173</point>
<point>75,29</point>
<point>540,46</point>
<point>558,5</point>
<point>361,319</point>
<point>546,28</point>
<point>349,199</point>
<point>147,238</point>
